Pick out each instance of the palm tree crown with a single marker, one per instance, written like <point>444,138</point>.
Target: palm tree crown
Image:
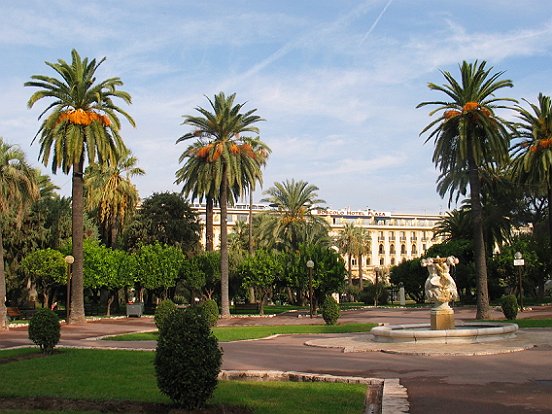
<point>469,136</point>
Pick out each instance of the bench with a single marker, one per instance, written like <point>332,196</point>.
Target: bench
<point>247,307</point>
<point>14,313</point>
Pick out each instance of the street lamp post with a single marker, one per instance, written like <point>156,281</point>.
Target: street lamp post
<point>519,262</point>
<point>69,260</point>
<point>310,266</point>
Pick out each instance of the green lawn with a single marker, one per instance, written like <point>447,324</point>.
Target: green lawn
<point>528,323</point>
<point>101,375</point>
<point>237,333</point>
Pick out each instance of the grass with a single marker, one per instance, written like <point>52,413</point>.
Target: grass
<point>238,333</point>
<point>101,375</point>
<point>527,323</point>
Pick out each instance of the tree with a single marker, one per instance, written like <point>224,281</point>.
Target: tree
<point>165,218</point>
<point>361,245</point>
<point>260,271</point>
<point>293,221</point>
<point>158,267</point>
<point>81,124</point>
<point>412,276</point>
<point>532,164</point>
<point>111,193</point>
<point>468,136</point>
<point>345,242</point>
<point>46,268</point>
<point>18,188</point>
<point>221,132</point>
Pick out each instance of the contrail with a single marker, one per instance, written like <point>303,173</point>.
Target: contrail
<point>375,22</point>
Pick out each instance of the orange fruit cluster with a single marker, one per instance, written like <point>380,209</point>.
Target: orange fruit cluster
<point>82,117</point>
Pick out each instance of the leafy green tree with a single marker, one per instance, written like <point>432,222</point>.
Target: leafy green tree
<point>221,130</point>
<point>159,266</point>
<point>165,218</point>
<point>293,221</point>
<point>18,189</point>
<point>469,136</point>
<point>80,124</point>
<point>412,276</point>
<point>260,271</point>
<point>46,269</point>
<point>361,246</point>
<point>208,264</point>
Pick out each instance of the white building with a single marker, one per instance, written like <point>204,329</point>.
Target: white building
<point>394,237</point>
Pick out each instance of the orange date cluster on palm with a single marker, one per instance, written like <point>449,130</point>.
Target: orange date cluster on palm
<point>541,145</point>
<point>82,117</point>
<point>206,153</point>
<point>467,108</point>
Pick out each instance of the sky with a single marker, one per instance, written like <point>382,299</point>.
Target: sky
<point>337,82</point>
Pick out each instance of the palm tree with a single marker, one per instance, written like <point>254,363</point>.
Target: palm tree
<point>235,163</point>
<point>468,136</point>
<point>532,164</point>
<point>80,124</point>
<point>345,242</point>
<point>197,176</point>
<point>293,222</point>
<point>18,189</point>
<point>110,191</point>
<point>361,245</point>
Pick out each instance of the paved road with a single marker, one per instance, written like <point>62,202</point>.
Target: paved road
<point>519,382</point>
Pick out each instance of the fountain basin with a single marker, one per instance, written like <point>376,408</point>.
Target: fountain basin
<point>467,333</point>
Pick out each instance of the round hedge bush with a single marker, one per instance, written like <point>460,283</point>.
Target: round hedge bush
<point>509,307</point>
<point>44,330</point>
<point>188,359</point>
<point>162,312</point>
<point>210,311</point>
<point>330,311</point>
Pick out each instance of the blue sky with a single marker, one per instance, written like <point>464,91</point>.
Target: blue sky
<point>336,81</point>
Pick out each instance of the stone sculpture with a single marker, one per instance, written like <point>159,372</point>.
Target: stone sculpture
<point>440,289</point>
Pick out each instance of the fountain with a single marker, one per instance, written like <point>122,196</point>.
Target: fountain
<point>440,288</point>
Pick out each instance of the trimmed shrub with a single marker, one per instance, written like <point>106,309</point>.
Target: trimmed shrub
<point>210,311</point>
<point>509,307</point>
<point>330,311</point>
<point>44,330</point>
<point>188,359</point>
<point>162,312</point>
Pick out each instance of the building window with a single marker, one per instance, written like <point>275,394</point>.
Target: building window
<point>414,249</point>
<point>403,249</point>
<point>392,261</point>
<point>381,249</point>
<point>392,249</point>
<point>382,261</point>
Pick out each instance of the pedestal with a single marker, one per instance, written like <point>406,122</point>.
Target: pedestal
<point>442,318</point>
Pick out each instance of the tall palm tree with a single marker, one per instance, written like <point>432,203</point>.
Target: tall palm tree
<point>345,242</point>
<point>80,124</point>
<point>18,189</point>
<point>532,163</point>
<point>221,128</point>
<point>361,245</point>
<point>110,191</point>
<point>468,136</point>
<point>293,222</point>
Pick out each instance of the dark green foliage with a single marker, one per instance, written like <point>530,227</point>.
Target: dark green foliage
<point>44,330</point>
<point>188,359</point>
<point>509,307</point>
<point>210,311</point>
<point>368,294</point>
<point>330,311</point>
<point>163,311</point>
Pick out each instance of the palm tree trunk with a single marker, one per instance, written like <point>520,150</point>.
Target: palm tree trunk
<point>76,314</point>
<point>225,299</point>
<point>209,233</point>
<point>478,240</point>
<point>360,281</point>
<point>3,309</point>
<point>250,242</point>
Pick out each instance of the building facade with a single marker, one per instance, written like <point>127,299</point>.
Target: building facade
<point>393,237</point>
